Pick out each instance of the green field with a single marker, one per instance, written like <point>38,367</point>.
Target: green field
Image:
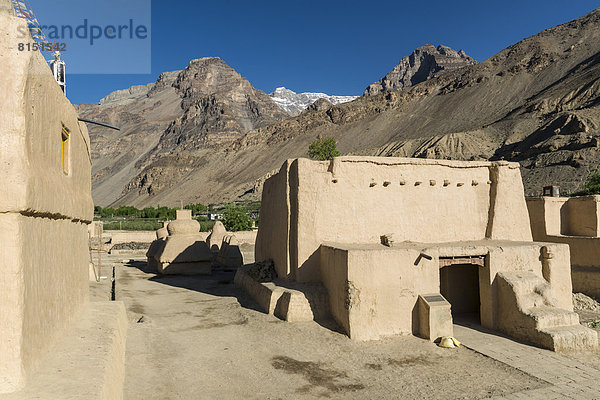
<point>235,216</point>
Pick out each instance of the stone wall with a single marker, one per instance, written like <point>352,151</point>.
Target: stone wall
<point>272,240</point>
<point>149,236</point>
<point>568,216</point>
<point>45,206</point>
<point>373,289</point>
<point>573,221</point>
<point>378,233</point>
<point>358,199</point>
<point>131,236</point>
<point>582,216</point>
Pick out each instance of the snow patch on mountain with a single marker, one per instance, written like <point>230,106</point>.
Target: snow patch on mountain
<point>294,103</point>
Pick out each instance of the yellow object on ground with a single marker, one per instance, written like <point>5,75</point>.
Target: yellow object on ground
<point>449,342</point>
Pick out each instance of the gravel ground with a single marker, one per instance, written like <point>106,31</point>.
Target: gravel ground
<point>589,315</point>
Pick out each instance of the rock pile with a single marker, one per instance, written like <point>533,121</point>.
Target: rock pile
<point>581,302</point>
<point>263,271</point>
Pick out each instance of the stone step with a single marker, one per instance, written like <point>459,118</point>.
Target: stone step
<point>531,300</point>
<point>531,289</point>
<point>541,324</point>
<point>549,317</point>
<point>527,282</point>
<point>570,338</point>
<point>293,306</point>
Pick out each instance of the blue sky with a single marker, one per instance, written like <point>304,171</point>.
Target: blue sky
<point>337,47</point>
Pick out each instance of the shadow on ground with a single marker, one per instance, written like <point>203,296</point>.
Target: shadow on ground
<point>219,283</point>
<point>468,321</point>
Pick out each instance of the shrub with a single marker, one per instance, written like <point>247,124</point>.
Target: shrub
<point>323,149</point>
<point>132,226</point>
<point>196,208</point>
<point>127,211</point>
<point>206,226</point>
<point>166,213</point>
<point>104,212</point>
<point>149,212</point>
<point>592,186</point>
<point>236,219</point>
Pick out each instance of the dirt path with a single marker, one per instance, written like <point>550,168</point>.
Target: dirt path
<point>201,338</point>
<point>590,319</point>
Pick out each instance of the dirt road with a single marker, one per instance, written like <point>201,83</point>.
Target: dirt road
<point>202,338</point>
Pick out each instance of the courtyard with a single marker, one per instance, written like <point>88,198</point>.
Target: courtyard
<point>201,337</point>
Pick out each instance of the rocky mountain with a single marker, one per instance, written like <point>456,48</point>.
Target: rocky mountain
<point>423,64</point>
<point>294,103</point>
<point>127,96</point>
<point>536,102</point>
<point>206,105</point>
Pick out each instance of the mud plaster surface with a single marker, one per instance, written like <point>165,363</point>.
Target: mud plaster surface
<point>590,318</point>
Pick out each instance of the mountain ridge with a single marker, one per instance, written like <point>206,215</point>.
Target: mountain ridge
<point>204,105</point>
<point>536,102</point>
<point>424,63</point>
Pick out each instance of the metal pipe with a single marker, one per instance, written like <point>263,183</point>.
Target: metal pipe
<point>89,121</point>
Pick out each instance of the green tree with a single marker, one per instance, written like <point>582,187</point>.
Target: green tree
<point>323,149</point>
<point>166,213</point>
<point>592,186</point>
<point>107,212</point>
<point>127,211</point>
<point>149,212</point>
<point>236,219</point>
<point>206,226</point>
<point>196,208</point>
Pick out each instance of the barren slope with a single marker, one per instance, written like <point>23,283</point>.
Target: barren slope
<point>207,105</point>
<point>535,102</point>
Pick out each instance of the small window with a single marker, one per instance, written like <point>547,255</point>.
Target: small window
<point>65,149</point>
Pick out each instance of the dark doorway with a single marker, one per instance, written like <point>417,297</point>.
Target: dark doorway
<point>459,284</point>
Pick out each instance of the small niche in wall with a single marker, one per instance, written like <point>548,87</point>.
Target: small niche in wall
<point>65,150</point>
